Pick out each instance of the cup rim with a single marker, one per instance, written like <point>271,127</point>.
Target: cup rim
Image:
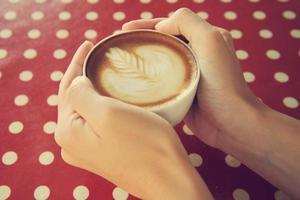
<point>189,89</point>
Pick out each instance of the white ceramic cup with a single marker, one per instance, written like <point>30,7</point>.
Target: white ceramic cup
<point>175,110</point>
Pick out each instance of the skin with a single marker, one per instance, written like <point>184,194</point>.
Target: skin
<point>225,115</point>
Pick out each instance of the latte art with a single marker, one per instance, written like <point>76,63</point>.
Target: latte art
<point>143,69</point>
<point>148,74</point>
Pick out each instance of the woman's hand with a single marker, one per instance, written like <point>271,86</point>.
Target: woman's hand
<point>222,94</point>
<point>133,148</point>
<point>226,114</point>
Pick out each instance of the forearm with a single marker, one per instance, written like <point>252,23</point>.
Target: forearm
<point>177,185</point>
<point>269,144</point>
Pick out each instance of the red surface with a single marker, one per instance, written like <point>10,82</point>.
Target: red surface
<point>23,176</point>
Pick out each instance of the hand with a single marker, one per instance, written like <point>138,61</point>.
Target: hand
<point>133,148</point>
<point>222,94</point>
<point>225,113</point>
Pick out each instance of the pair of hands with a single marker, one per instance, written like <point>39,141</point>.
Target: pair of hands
<point>136,149</point>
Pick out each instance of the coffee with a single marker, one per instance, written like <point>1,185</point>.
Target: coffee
<point>143,68</point>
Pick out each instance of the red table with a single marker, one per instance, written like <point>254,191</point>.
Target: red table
<point>37,41</point>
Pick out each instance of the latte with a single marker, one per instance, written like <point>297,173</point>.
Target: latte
<point>143,68</point>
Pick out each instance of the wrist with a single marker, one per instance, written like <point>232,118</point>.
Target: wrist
<point>245,134</point>
<point>180,182</point>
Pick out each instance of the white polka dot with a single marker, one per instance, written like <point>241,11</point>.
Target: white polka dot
<point>25,75</point>
<point>40,1</point>
<point>232,161</point>
<point>91,16</point>
<point>66,1</point>
<point>279,195</point>
<point>146,15</point>
<point>119,16</point>
<point>3,53</point>
<point>236,34</point>
<point>30,53</point>
<point>5,33</point>
<point>240,194</point>
<point>81,192</point>
<point>281,77</point>
<point>15,127</point>
<point>290,102</point>
<point>56,75</point>
<point>14,1</point>
<point>90,34</point>
<point>52,100</point>
<point>119,1</point>
<point>62,34</point>
<point>288,14</point>
<point>4,192</point>
<point>203,14</point>
<point>42,192</point>
<point>46,158</point>
<point>226,1</point>
<point>230,15</point>
<point>145,1</point>
<point>196,159</point>
<point>10,15</point>
<point>34,33</point>
<point>171,1</point>
<point>64,15</point>
<point>49,127</point>
<point>59,54</point>
<point>259,15</point>
<point>9,158</point>
<point>21,100</point>
<point>187,130</point>
<point>198,1</point>
<point>295,33</point>
<point>249,77</point>
<point>93,1</point>
<point>273,54</point>
<point>119,194</point>
<point>37,15</point>
<point>241,54</point>
<point>265,33</point>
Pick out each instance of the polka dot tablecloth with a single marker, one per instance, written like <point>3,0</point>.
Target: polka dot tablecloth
<point>37,41</point>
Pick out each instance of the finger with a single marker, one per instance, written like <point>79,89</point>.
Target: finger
<point>85,100</point>
<point>227,37</point>
<point>141,24</point>
<point>75,67</point>
<point>214,56</point>
<point>185,22</point>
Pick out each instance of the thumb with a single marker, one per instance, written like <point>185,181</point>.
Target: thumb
<point>84,99</point>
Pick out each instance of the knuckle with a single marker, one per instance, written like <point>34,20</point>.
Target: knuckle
<point>61,136</point>
<point>214,35</point>
<point>58,137</point>
<point>226,34</point>
<point>76,87</point>
<point>66,158</point>
<point>182,12</point>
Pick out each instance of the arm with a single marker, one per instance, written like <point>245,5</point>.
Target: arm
<point>269,144</point>
<point>226,114</point>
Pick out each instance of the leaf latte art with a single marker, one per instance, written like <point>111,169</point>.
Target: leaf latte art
<point>142,75</point>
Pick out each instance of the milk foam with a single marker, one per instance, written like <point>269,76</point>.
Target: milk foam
<point>146,74</point>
